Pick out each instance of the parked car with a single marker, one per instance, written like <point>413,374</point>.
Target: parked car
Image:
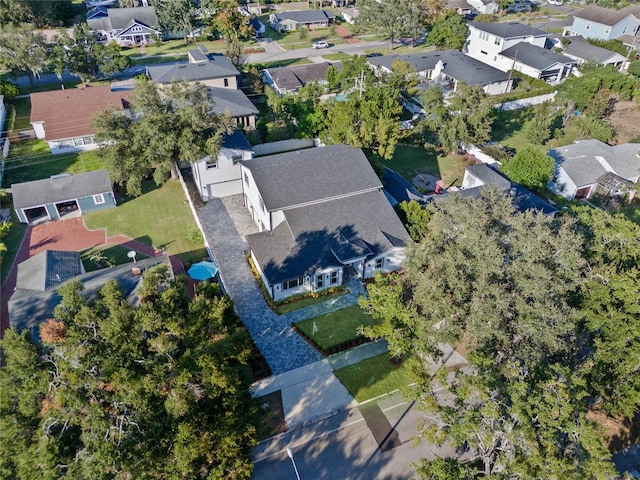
<point>320,44</point>
<point>554,2</point>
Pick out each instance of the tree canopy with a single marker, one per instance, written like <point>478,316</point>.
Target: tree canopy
<point>529,167</point>
<point>167,125</point>
<point>550,332</point>
<point>467,118</point>
<point>150,392</point>
<point>395,18</point>
<point>448,31</point>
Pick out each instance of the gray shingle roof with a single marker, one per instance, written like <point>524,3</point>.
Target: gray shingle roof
<point>579,162</point>
<point>291,78</point>
<point>580,48</point>
<point>120,18</point>
<point>229,100</point>
<point>536,57</point>
<point>306,16</point>
<point>489,176</point>
<point>625,161</point>
<point>607,16</point>
<point>457,65</point>
<point>352,226</point>
<point>295,178</point>
<point>48,269</point>
<point>28,309</point>
<point>59,189</point>
<point>236,140</point>
<point>509,30</point>
<point>218,66</point>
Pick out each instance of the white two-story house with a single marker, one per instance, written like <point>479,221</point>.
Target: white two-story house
<point>514,46</point>
<point>220,176</point>
<point>320,211</point>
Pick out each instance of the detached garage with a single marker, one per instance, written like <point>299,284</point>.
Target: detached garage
<point>62,195</point>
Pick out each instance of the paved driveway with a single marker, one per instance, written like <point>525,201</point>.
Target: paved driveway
<point>283,349</point>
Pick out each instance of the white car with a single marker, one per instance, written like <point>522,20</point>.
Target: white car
<point>320,44</point>
<point>554,2</point>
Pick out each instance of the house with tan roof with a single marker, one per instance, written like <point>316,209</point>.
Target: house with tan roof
<point>63,117</point>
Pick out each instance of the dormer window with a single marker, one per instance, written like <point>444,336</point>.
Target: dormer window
<point>136,29</point>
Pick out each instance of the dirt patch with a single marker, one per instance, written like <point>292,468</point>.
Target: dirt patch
<point>619,433</point>
<point>346,35</point>
<point>625,120</point>
<point>271,419</point>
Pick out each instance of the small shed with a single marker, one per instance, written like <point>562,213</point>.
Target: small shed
<point>62,195</point>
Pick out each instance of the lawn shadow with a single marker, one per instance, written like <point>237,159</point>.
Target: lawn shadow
<point>508,123</point>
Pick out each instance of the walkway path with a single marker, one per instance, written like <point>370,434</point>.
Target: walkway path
<point>283,349</point>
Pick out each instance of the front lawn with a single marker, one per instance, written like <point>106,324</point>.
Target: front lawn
<point>374,377</point>
<point>151,60</point>
<point>307,301</point>
<point>32,160</point>
<point>160,217</point>
<point>21,114</point>
<point>336,330</point>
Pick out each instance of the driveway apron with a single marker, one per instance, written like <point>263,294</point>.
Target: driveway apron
<point>283,349</point>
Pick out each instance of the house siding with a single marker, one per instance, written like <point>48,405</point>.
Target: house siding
<point>485,49</point>
<point>88,204</point>
<point>223,181</point>
<point>563,185</point>
<point>591,29</point>
<point>253,201</point>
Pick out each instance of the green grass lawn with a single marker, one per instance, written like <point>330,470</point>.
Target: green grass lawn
<point>177,46</point>
<point>22,113</point>
<point>150,60</point>
<point>111,255</point>
<point>632,212</point>
<point>12,242</point>
<point>283,308</point>
<point>160,217</point>
<point>283,63</point>
<point>335,57</point>
<point>374,377</point>
<point>409,160</point>
<point>32,160</point>
<point>336,328</point>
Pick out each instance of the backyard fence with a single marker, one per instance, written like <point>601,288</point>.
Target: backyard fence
<point>525,102</point>
<point>282,146</point>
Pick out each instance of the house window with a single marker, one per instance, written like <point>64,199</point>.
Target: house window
<point>226,82</point>
<point>497,41</point>
<point>320,281</point>
<point>235,158</point>
<point>264,209</point>
<point>212,163</point>
<point>334,278</point>
<point>87,140</point>
<point>136,29</point>
<point>483,52</point>
<point>292,283</point>
<point>379,263</point>
<point>98,199</point>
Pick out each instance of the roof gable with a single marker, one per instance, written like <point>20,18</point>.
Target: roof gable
<point>218,66</point>
<point>48,269</point>
<point>121,18</point>
<point>228,100</point>
<point>535,56</point>
<point>580,48</point>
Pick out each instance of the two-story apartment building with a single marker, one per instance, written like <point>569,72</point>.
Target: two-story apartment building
<point>320,211</point>
<point>605,23</point>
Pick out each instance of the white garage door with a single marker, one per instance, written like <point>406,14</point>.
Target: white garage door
<point>225,189</point>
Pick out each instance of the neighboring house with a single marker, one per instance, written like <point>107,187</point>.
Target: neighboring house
<point>258,27</point>
<point>40,277</point>
<point>126,26</point>
<point>484,6</point>
<point>586,165</point>
<point>309,19</point>
<point>349,15</point>
<point>221,176</point>
<point>514,46</point>
<point>61,195</point>
<point>478,177</point>
<point>582,51</point>
<point>219,75</point>
<point>519,6</point>
<point>605,23</point>
<point>212,70</point>
<point>319,211</point>
<point>63,117</point>
<point>291,79</point>
<point>447,68</point>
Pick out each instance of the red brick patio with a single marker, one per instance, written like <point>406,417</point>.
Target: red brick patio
<point>68,235</point>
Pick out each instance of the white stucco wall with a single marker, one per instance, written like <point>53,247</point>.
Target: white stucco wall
<point>254,201</point>
<point>563,185</point>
